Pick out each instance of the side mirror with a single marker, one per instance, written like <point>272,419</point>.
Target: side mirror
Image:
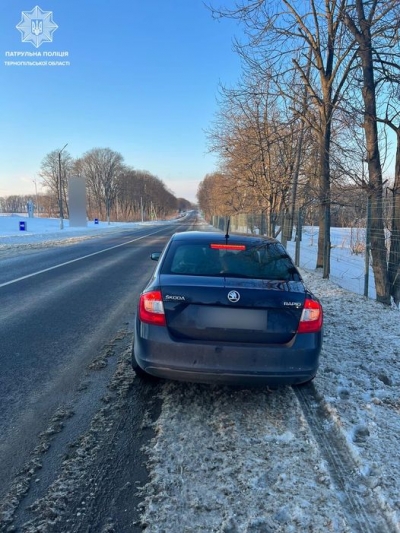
<point>155,256</point>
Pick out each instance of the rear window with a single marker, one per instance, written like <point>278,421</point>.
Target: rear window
<point>262,261</point>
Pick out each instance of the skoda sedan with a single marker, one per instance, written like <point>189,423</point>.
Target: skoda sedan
<point>230,309</point>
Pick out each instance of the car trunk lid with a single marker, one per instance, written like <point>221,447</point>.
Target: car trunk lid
<point>232,309</point>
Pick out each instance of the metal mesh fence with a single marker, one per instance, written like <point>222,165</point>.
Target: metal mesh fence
<point>350,242</point>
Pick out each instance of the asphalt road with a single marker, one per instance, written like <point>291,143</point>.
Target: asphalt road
<point>65,312</point>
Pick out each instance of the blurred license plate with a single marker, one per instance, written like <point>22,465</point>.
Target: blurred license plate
<point>228,318</point>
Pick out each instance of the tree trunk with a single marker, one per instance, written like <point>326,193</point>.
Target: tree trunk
<point>324,245</point>
<point>394,257</point>
<point>378,244</point>
<point>362,34</point>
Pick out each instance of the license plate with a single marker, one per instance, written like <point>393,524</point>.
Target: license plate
<point>223,317</point>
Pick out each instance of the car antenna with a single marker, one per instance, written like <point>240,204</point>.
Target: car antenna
<point>227,229</point>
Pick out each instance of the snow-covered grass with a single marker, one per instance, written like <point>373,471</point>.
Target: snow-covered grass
<point>47,232</point>
<point>347,257</point>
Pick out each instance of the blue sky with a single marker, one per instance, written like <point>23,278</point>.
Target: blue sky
<point>143,80</point>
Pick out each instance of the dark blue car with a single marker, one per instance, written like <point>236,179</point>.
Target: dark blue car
<point>229,309</point>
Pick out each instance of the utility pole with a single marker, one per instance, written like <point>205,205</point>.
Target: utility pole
<point>37,198</point>
<point>60,200</point>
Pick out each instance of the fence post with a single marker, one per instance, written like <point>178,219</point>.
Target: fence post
<point>287,227</point>
<point>327,243</point>
<point>367,248</point>
<point>262,224</point>
<point>298,238</point>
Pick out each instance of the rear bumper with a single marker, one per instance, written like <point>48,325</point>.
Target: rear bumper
<point>160,355</point>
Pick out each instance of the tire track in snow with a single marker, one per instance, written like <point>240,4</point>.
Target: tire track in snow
<point>360,505</point>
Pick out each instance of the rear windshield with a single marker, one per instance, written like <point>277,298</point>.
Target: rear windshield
<point>263,261</point>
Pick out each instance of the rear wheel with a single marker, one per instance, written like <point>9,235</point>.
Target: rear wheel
<point>140,373</point>
<point>137,369</point>
<point>305,383</point>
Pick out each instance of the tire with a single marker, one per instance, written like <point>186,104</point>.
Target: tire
<point>305,383</point>
<point>137,369</point>
<point>140,373</point>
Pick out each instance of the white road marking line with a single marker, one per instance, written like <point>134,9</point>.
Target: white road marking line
<point>78,259</point>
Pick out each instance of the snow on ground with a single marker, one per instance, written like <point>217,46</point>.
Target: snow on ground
<point>246,461</point>
<point>41,232</point>
<point>359,380</point>
<point>347,259</point>
<point>241,461</point>
<point>236,462</point>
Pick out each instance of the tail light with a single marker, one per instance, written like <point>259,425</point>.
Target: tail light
<point>151,308</point>
<point>311,317</point>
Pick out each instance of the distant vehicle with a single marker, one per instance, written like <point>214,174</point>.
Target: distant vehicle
<point>229,309</point>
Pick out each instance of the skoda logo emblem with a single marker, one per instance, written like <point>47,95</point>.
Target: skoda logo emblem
<point>233,296</point>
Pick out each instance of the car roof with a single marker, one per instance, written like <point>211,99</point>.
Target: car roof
<point>216,237</point>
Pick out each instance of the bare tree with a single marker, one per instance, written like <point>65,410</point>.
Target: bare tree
<point>183,204</point>
<point>255,138</point>
<point>142,195</point>
<point>374,26</point>
<point>276,31</point>
<point>394,255</point>
<point>101,167</point>
<point>215,197</point>
<point>50,174</point>
<point>14,203</point>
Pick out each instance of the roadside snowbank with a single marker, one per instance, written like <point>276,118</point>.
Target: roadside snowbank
<point>42,232</point>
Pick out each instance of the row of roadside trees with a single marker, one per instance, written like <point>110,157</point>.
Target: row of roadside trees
<point>309,122</point>
<point>114,190</point>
